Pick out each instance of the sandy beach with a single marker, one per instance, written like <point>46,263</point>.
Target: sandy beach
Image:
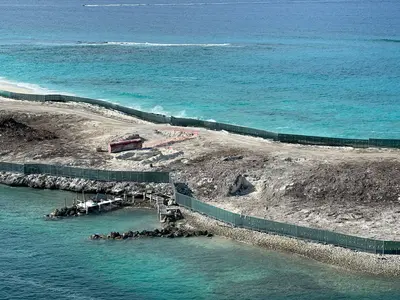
<point>352,191</point>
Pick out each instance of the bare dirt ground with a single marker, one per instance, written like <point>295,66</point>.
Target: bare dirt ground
<point>353,191</point>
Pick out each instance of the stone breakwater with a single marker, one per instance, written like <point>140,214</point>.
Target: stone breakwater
<point>386,265</point>
<point>40,181</point>
<point>167,232</point>
<point>74,211</point>
<point>64,212</point>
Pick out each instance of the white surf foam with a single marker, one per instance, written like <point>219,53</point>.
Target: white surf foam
<point>146,44</point>
<point>158,109</point>
<point>208,3</point>
<point>176,4</point>
<point>181,114</point>
<point>114,5</point>
<point>29,88</point>
<point>10,85</point>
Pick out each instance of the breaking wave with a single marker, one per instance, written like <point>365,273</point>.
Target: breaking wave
<point>176,4</point>
<point>211,3</point>
<point>145,44</point>
<point>28,87</point>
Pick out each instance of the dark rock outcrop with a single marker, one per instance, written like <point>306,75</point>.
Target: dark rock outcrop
<point>166,232</point>
<point>11,128</point>
<point>241,186</point>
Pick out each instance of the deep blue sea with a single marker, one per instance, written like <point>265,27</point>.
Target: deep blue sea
<point>55,260</point>
<point>317,67</point>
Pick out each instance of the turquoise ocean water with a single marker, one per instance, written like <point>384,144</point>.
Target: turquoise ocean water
<point>55,260</point>
<point>309,67</point>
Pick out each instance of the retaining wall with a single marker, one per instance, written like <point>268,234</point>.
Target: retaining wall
<point>236,220</point>
<point>290,230</point>
<point>91,174</point>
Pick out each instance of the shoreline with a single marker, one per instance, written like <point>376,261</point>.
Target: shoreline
<point>39,181</point>
<point>7,85</point>
<point>157,118</point>
<point>376,264</point>
<point>207,147</point>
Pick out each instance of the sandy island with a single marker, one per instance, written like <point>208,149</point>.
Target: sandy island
<point>352,191</point>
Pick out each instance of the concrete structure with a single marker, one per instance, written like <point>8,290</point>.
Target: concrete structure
<point>125,145</point>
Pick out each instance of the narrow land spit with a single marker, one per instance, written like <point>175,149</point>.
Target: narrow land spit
<point>352,191</point>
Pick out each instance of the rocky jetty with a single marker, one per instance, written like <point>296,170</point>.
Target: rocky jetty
<point>64,212</point>
<point>79,184</point>
<point>168,232</point>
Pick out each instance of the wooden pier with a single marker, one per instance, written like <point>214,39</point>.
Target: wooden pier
<point>163,210</point>
<point>102,204</point>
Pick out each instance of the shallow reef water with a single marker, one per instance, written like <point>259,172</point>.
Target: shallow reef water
<point>42,259</point>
